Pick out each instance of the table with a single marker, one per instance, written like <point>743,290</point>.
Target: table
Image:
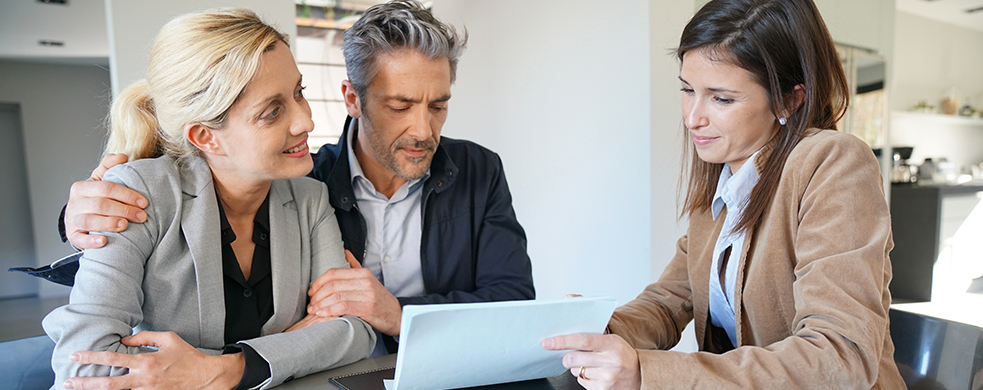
<point>322,380</point>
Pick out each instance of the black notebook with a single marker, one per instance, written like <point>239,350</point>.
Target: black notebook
<point>372,380</point>
<point>365,380</point>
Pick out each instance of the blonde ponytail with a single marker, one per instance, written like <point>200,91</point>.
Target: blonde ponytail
<point>199,64</point>
<point>133,127</point>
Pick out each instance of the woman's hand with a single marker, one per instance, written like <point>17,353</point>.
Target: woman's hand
<point>599,361</point>
<point>175,365</point>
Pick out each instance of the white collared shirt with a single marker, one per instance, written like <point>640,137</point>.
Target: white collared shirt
<point>394,232</point>
<point>734,192</point>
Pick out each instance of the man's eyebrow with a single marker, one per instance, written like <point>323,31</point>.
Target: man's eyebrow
<point>407,99</point>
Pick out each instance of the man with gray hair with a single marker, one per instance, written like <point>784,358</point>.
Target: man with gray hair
<point>425,219</point>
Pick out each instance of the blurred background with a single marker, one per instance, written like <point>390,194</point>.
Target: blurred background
<point>580,98</point>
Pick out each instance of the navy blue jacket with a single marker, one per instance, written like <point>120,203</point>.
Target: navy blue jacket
<point>472,248</point>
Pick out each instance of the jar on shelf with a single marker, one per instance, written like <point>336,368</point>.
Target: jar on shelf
<point>950,103</point>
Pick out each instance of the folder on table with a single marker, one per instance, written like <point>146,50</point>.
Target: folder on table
<point>473,344</point>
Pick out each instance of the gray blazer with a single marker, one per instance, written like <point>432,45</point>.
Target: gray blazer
<point>166,275</point>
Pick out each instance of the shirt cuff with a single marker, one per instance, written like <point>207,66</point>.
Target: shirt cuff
<point>257,369</point>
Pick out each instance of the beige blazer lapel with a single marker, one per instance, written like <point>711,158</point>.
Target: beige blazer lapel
<point>202,231</point>
<point>285,258</point>
<point>700,273</point>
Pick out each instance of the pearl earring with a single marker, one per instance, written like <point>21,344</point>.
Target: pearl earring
<point>782,121</point>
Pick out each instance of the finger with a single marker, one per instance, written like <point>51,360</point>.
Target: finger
<point>576,359</point>
<point>580,341</point>
<point>344,308</point>
<point>103,358</point>
<point>147,339</point>
<point>103,214</point>
<point>98,223</point>
<point>352,262</point>
<point>589,373</point>
<point>100,383</point>
<point>329,292</point>
<point>329,297</point>
<point>107,162</point>
<point>106,189</point>
<point>82,240</point>
<point>333,275</point>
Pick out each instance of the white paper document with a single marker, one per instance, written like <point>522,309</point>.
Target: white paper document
<point>474,344</point>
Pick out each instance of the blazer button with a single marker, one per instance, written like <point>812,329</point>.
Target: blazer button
<point>344,199</point>
<point>440,183</point>
<point>247,293</point>
<point>262,236</point>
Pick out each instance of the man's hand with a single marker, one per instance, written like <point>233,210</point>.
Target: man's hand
<point>175,365</point>
<point>95,205</point>
<point>355,292</point>
<point>599,361</point>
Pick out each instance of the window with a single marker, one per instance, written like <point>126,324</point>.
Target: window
<point>320,26</point>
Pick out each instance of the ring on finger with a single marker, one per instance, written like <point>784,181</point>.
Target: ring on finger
<point>582,368</point>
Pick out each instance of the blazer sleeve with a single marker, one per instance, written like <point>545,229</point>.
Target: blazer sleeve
<point>656,318</point>
<point>107,301</point>
<point>327,344</point>
<point>841,244</point>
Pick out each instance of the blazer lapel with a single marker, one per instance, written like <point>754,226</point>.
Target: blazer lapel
<point>200,225</point>
<point>285,257</point>
<point>700,273</point>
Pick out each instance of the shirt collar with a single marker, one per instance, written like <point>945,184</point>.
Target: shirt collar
<point>734,188</point>
<point>261,222</point>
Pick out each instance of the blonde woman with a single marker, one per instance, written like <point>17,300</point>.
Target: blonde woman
<point>217,278</point>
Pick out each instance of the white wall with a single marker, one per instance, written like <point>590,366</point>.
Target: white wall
<point>867,24</point>
<point>957,139</point>
<point>80,26</point>
<point>16,226</point>
<point>933,57</point>
<point>562,94</point>
<point>62,112</point>
<point>666,23</point>
<point>133,24</point>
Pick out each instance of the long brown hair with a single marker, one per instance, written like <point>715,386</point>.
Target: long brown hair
<point>784,44</point>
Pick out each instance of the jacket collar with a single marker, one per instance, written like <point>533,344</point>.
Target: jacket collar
<point>203,238</point>
<point>339,181</point>
<point>769,148</point>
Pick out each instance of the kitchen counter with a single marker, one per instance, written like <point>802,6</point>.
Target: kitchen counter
<point>945,189</point>
<point>925,220</point>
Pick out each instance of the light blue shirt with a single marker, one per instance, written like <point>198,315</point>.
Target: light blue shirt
<point>734,192</point>
<point>394,232</point>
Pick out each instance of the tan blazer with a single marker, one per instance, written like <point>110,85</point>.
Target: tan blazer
<point>812,286</point>
<point>166,275</point>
